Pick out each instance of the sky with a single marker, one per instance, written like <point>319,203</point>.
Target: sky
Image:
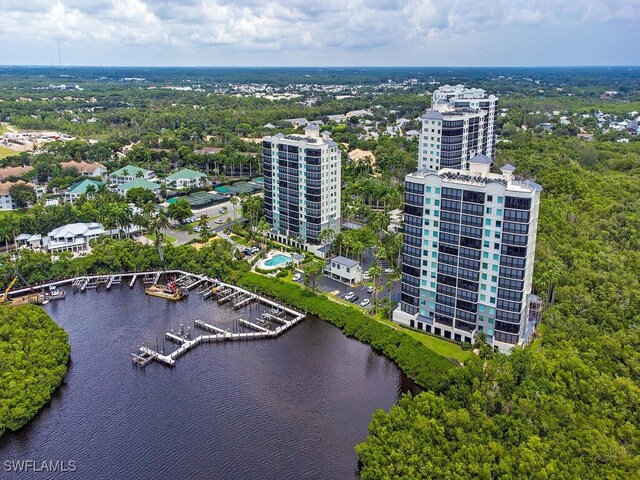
<point>319,33</point>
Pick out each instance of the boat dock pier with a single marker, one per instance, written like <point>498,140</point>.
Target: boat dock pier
<point>244,300</point>
<point>262,328</point>
<point>114,280</point>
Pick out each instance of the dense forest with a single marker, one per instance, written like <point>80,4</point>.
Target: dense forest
<point>34,353</point>
<point>568,406</point>
<point>565,407</point>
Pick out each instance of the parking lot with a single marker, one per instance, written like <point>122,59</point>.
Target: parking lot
<point>341,290</point>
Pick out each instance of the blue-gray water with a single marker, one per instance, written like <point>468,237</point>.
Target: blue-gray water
<point>287,408</point>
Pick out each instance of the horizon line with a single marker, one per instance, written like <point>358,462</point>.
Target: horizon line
<point>58,67</point>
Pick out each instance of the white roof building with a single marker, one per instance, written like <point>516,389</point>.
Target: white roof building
<point>73,236</point>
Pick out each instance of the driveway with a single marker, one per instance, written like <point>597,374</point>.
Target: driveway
<point>330,286</point>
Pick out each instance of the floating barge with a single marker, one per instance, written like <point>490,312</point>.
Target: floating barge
<point>169,291</point>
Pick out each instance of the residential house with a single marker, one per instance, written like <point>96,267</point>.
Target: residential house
<point>186,178</point>
<point>74,191</point>
<point>412,134</point>
<point>73,237</point>
<point>27,240</point>
<point>359,156</point>
<point>8,172</point>
<point>358,113</point>
<point>7,202</point>
<point>340,118</point>
<point>207,151</point>
<point>130,172</point>
<point>344,269</point>
<point>139,183</point>
<point>296,122</point>
<point>86,169</point>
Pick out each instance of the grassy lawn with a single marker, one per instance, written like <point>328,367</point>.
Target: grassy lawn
<point>242,240</point>
<point>7,152</point>
<point>536,345</point>
<point>167,238</point>
<point>438,345</point>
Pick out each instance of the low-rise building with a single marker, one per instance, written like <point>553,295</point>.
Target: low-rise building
<point>340,118</point>
<point>7,202</point>
<point>358,113</point>
<point>296,122</point>
<point>207,151</point>
<point>74,191</point>
<point>8,172</point>
<point>361,156</point>
<point>345,270</point>
<point>74,237</point>
<point>86,169</point>
<point>186,178</point>
<point>130,172</point>
<point>27,240</point>
<point>139,183</point>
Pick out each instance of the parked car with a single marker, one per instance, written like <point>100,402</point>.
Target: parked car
<point>365,302</point>
<point>354,299</point>
<point>366,276</point>
<point>297,277</point>
<point>197,229</point>
<point>349,296</point>
<point>388,270</point>
<point>218,221</point>
<point>370,290</point>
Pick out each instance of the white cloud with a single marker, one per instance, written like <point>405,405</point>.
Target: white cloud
<point>291,24</point>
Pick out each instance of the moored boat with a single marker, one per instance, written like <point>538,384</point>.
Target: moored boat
<point>54,294</point>
<point>170,291</point>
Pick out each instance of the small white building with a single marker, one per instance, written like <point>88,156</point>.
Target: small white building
<point>73,237</point>
<point>131,172</point>
<point>345,270</point>
<point>186,178</point>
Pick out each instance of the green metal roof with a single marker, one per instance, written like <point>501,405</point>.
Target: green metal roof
<point>185,173</point>
<point>132,171</point>
<point>82,185</point>
<point>139,183</point>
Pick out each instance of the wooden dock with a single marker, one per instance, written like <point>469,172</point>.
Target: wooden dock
<point>276,314</point>
<point>210,286</point>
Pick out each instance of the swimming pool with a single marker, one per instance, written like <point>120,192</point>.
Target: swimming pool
<point>277,260</point>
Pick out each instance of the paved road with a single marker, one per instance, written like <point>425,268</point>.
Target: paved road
<point>184,236</point>
<point>330,286</point>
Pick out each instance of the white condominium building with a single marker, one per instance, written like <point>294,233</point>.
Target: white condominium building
<point>302,179</point>
<point>460,124</point>
<point>468,252</point>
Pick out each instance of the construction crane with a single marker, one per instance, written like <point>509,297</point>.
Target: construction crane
<point>6,292</point>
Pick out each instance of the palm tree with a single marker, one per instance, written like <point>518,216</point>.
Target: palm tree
<point>204,229</point>
<point>157,223</point>
<point>123,216</point>
<point>262,229</point>
<point>326,236</point>
<point>234,201</point>
<point>376,273</point>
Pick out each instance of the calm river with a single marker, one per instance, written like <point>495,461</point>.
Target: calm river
<point>287,408</point>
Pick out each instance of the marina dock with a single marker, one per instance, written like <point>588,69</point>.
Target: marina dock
<point>272,323</point>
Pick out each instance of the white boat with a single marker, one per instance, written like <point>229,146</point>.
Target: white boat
<point>54,294</point>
